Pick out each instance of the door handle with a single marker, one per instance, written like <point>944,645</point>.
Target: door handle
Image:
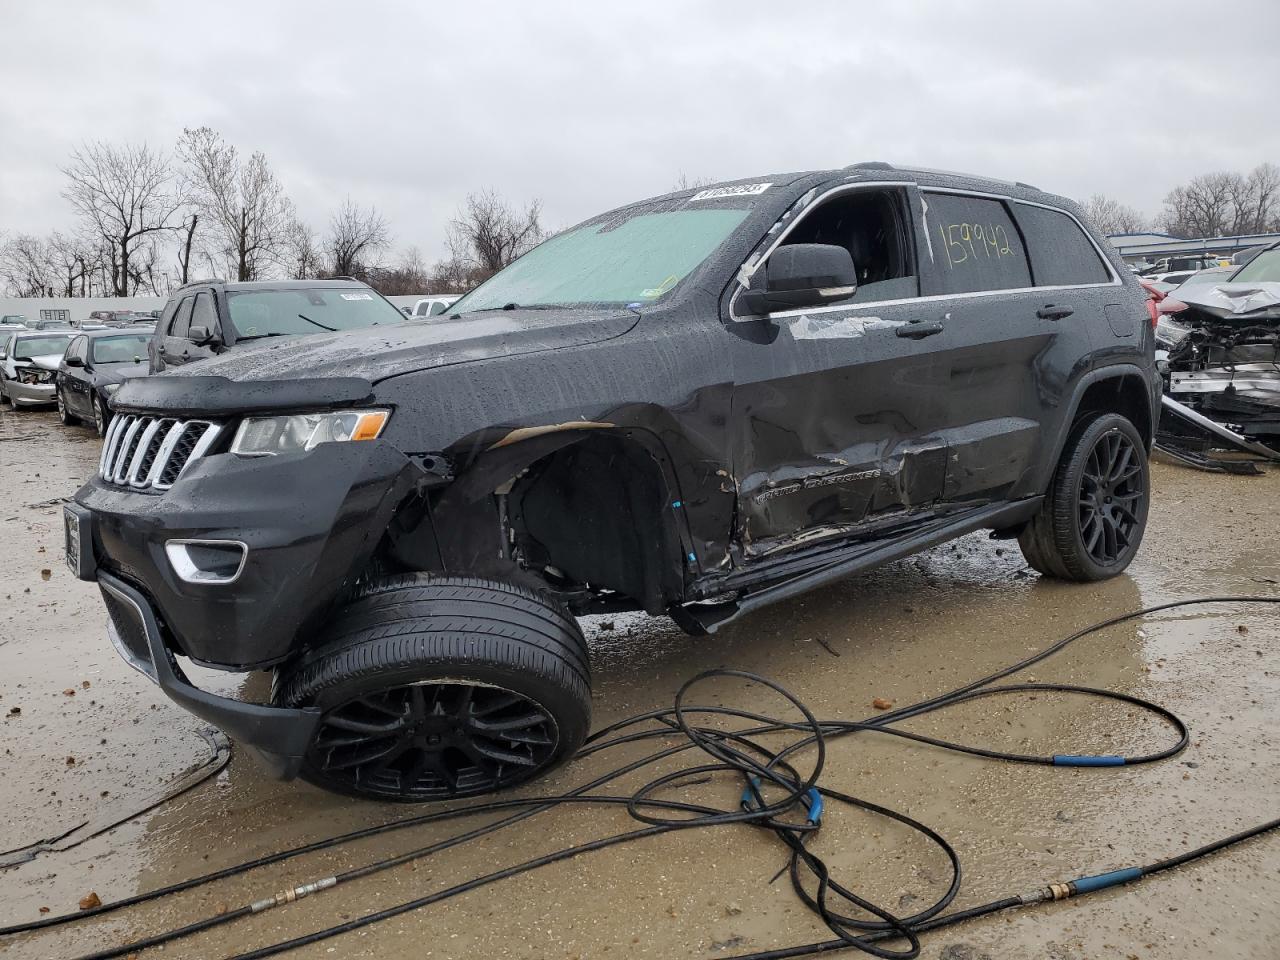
<point>917,330</point>
<point>1051,312</point>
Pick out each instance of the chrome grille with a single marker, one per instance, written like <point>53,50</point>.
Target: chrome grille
<point>152,452</point>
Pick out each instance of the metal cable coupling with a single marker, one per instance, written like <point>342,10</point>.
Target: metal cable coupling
<point>1060,891</point>
<point>289,896</point>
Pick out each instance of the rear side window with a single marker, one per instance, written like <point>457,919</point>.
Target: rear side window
<point>1061,253</point>
<point>182,319</point>
<point>975,245</point>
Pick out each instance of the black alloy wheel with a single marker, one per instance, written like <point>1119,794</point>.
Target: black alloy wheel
<point>1111,490</point>
<point>1092,518</point>
<point>434,741</point>
<point>433,687</point>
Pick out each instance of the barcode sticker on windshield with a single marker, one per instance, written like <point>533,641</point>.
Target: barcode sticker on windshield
<point>741,190</point>
<point>356,296</point>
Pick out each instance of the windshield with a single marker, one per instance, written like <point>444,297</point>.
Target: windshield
<point>633,256</point>
<point>29,347</point>
<point>119,349</point>
<point>1263,268</point>
<point>265,313</point>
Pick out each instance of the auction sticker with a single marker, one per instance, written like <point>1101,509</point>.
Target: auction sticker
<point>741,190</point>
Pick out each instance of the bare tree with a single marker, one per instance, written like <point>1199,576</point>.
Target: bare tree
<point>1201,208</point>
<point>186,243</point>
<point>488,233</point>
<point>684,182</point>
<point>124,195</point>
<point>242,201</point>
<point>407,276</point>
<point>26,266</point>
<point>1112,216</point>
<point>356,236</point>
<point>304,260</point>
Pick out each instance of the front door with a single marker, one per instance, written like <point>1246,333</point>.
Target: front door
<point>838,410</point>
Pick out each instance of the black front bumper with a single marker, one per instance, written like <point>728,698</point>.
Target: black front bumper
<point>278,736</point>
<point>308,523</point>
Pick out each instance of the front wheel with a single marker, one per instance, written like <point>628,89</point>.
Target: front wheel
<point>64,415</point>
<point>1095,511</point>
<point>100,417</point>
<point>433,688</point>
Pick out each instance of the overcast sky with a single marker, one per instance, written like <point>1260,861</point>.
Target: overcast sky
<point>585,106</point>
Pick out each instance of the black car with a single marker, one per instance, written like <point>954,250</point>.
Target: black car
<point>209,317</point>
<point>694,406</point>
<point>92,369</point>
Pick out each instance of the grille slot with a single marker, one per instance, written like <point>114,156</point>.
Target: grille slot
<point>143,452</point>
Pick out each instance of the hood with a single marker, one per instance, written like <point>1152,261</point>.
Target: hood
<point>377,353</point>
<point>49,361</point>
<point>118,372</point>
<point>1236,301</point>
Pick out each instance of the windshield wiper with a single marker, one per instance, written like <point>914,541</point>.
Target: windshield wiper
<point>259,336</point>
<point>315,323</point>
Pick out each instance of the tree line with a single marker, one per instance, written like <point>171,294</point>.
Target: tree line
<point>148,221</point>
<point>1219,204</point>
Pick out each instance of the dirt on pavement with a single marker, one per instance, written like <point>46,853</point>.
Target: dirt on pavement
<point>81,731</point>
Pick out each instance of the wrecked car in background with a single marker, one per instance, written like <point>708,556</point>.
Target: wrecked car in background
<point>1220,359</point>
<point>693,405</point>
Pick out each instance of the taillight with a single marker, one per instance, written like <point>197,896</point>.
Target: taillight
<point>1153,311</point>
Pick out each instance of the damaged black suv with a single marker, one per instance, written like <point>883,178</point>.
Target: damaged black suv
<point>694,406</point>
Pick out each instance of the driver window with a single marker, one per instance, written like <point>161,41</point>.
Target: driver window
<point>873,225</point>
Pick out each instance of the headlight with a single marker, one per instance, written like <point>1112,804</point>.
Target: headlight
<point>267,436</point>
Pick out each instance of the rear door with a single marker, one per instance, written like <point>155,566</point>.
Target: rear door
<point>1014,349</point>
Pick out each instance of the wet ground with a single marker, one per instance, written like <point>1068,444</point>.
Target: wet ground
<point>81,732</point>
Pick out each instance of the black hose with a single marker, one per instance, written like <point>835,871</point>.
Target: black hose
<point>776,797</point>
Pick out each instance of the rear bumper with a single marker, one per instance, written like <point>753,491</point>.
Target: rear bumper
<point>278,736</point>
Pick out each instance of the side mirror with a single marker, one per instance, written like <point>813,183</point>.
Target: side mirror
<point>804,275</point>
<point>201,336</point>
<point>74,361</point>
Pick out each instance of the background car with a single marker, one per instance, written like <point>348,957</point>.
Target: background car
<point>28,366</point>
<point>94,366</point>
<point>208,318</point>
<point>432,306</point>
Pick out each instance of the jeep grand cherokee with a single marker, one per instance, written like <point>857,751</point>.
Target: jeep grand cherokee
<point>694,405</point>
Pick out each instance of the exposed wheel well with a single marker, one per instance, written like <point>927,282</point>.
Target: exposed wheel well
<point>1126,395</point>
<point>598,514</point>
<point>585,515</point>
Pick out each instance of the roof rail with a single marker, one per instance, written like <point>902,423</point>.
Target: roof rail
<point>197,283</point>
<point>353,279</point>
<point>871,165</point>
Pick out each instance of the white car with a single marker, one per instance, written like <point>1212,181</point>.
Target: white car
<point>29,366</point>
<point>432,306</point>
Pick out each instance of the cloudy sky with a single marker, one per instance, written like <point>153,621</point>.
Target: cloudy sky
<point>410,106</point>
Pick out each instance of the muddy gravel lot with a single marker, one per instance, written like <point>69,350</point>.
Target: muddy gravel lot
<point>85,739</point>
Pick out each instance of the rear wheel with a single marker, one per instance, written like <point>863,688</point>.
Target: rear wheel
<point>1095,511</point>
<point>433,688</point>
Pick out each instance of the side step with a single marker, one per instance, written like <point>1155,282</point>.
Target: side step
<point>708,618</point>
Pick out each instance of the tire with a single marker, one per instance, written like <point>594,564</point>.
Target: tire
<point>433,688</point>
<point>1094,514</point>
<point>101,417</point>
<point>64,415</point>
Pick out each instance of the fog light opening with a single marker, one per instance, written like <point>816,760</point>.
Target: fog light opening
<point>207,561</point>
